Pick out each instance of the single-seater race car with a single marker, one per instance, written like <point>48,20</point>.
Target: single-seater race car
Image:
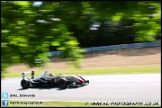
<point>50,80</point>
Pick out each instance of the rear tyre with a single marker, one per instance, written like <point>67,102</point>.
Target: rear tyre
<point>25,84</point>
<point>62,84</point>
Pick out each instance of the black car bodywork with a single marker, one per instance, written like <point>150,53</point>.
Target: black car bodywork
<point>52,81</point>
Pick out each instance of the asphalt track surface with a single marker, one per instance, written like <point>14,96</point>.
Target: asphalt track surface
<point>121,88</point>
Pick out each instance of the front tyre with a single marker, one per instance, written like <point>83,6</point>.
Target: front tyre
<point>51,83</point>
<point>62,84</point>
<point>25,84</point>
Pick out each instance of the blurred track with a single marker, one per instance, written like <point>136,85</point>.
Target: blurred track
<point>133,87</point>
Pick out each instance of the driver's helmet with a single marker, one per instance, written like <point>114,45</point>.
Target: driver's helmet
<point>45,72</point>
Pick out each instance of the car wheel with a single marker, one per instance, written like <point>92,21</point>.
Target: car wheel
<point>62,84</point>
<point>74,84</point>
<point>25,84</point>
<point>51,83</point>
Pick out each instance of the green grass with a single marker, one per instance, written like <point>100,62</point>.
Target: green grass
<point>96,71</point>
<point>69,104</point>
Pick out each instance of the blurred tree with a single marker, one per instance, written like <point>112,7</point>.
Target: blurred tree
<point>29,29</point>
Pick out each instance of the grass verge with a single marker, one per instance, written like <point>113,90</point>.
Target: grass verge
<point>96,71</point>
<point>74,104</point>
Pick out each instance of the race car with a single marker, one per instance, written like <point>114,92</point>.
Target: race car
<point>51,80</point>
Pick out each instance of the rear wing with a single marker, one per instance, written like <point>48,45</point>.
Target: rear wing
<point>29,72</point>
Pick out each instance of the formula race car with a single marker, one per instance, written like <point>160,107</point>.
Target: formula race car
<point>50,80</point>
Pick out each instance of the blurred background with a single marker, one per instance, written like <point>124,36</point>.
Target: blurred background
<point>91,38</point>
<point>31,30</point>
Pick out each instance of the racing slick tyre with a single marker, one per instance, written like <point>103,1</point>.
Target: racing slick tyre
<point>25,84</point>
<point>74,85</point>
<point>62,84</point>
<point>51,83</point>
